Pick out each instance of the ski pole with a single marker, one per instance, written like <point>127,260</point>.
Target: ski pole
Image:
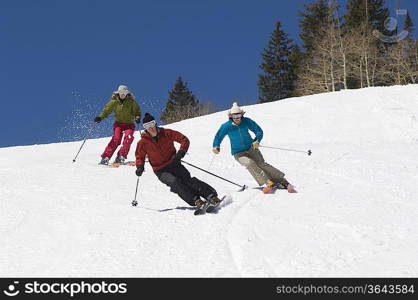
<point>211,161</point>
<point>87,136</point>
<point>243,187</point>
<point>134,202</point>
<point>309,152</point>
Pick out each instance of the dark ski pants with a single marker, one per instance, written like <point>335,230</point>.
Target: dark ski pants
<point>178,178</point>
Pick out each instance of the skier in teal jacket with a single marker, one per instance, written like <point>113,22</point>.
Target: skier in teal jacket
<point>239,135</point>
<point>245,149</point>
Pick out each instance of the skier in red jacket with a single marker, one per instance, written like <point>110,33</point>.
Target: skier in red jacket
<point>158,144</point>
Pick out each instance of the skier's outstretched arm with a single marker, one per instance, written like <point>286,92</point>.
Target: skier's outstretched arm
<point>107,110</point>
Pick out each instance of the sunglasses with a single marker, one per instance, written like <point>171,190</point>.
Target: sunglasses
<point>236,116</point>
<point>150,124</point>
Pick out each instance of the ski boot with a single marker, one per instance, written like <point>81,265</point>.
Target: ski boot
<point>214,202</point>
<point>271,186</point>
<point>119,160</point>
<point>199,203</point>
<point>285,184</point>
<point>104,161</point>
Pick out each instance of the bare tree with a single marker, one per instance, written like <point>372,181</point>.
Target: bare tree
<point>401,67</point>
<point>188,111</point>
<point>325,68</point>
<point>354,56</point>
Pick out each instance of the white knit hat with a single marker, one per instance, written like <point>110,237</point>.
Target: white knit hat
<point>123,89</point>
<point>235,109</point>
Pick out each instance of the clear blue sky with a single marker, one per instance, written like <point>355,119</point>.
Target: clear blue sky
<point>61,60</point>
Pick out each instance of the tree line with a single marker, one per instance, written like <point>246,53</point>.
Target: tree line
<point>362,48</point>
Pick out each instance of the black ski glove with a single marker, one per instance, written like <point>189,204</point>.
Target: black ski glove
<point>138,119</point>
<point>139,170</point>
<point>179,155</point>
<point>97,119</point>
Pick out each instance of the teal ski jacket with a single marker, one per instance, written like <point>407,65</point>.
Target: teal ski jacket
<point>239,135</point>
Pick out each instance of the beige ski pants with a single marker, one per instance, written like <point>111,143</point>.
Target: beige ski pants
<point>262,172</point>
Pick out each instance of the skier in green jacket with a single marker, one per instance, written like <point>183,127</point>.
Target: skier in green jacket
<point>127,112</point>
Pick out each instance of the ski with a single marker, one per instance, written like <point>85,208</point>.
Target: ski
<point>117,165</point>
<point>127,163</point>
<point>272,189</point>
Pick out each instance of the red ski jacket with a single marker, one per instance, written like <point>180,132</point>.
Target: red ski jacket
<point>160,151</point>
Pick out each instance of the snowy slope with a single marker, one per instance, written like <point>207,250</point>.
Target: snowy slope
<point>356,213</point>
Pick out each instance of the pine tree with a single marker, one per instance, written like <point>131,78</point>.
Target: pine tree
<point>366,12</point>
<point>312,21</point>
<point>277,81</point>
<point>408,25</point>
<point>181,104</point>
<point>297,59</point>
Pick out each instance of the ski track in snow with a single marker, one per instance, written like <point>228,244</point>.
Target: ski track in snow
<point>355,214</point>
